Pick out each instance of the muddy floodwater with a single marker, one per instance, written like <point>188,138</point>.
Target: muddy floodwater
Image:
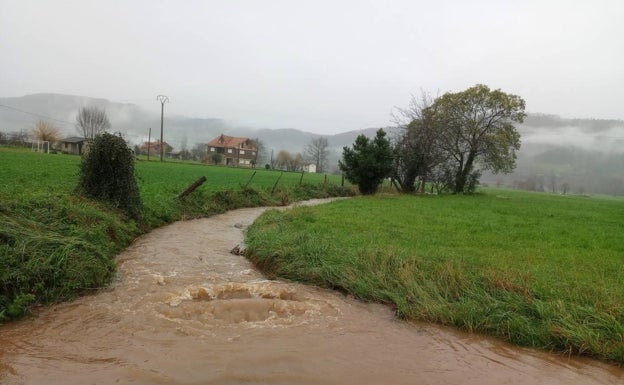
<point>183,310</point>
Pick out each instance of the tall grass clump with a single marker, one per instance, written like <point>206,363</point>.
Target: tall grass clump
<point>536,270</point>
<point>107,174</point>
<point>53,247</point>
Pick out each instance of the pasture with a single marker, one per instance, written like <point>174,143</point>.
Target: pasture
<point>534,269</point>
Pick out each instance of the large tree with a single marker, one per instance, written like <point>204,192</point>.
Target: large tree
<point>476,128</point>
<point>199,152</point>
<point>260,152</point>
<point>368,162</point>
<point>289,162</point>
<point>317,151</point>
<point>416,154</point>
<point>91,122</point>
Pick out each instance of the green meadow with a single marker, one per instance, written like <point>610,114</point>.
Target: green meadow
<point>534,269</point>
<point>55,245</point>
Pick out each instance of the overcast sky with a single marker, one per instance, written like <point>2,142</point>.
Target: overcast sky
<point>320,66</point>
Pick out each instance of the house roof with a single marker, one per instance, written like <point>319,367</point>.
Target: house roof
<point>155,144</point>
<point>227,141</point>
<point>73,139</point>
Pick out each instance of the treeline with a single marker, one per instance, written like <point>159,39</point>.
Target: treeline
<point>316,153</point>
<point>445,143</point>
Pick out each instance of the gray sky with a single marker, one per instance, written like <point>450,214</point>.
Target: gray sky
<point>320,66</point>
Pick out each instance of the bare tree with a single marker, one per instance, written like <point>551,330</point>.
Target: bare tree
<point>199,152</point>
<point>283,160</point>
<point>91,121</point>
<point>553,181</point>
<point>289,162</point>
<point>565,188</point>
<point>46,131</point>
<point>317,152</point>
<point>260,152</point>
<point>416,154</point>
<point>296,164</point>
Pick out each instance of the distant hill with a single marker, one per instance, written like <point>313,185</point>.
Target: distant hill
<point>587,154</point>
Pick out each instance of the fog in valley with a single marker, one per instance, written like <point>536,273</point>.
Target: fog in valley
<point>568,156</point>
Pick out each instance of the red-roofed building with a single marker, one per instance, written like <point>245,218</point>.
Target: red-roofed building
<point>234,151</point>
<point>154,148</point>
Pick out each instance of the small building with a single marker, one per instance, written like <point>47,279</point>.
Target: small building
<point>153,148</point>
<point>174,154</point>
<point>74,145</point>
<point>311,168</point>
<point>233,151</point>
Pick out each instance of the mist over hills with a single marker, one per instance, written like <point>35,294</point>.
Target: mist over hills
<point>568,155</point>
<point>585,155</point>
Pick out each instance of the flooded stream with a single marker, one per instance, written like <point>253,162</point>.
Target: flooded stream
<point>183,310</point>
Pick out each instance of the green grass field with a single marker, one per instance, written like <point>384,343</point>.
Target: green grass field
<point>534,269</point>
<point>55,244</point>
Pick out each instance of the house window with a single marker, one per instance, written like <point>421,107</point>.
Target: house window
<point>253,153</point>
<point>229,150</point>
<point>242,152</point>
<point>211,149</point>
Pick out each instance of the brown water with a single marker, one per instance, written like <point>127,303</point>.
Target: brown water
<point>185,311</point>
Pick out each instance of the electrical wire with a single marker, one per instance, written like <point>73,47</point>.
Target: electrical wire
<point>38,115</point>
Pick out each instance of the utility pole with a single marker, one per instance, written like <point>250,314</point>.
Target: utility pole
<point>149,140</point>
<point>162,99</point>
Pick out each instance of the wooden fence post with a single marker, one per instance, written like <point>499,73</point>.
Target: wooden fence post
<point>249,181</point>
<point>276,182</point>
<point>192,187</point>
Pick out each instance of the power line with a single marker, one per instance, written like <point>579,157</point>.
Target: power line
<point>36,114</point>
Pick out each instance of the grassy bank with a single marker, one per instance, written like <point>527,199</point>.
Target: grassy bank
<point>55,245</point>
<point>534,269</point>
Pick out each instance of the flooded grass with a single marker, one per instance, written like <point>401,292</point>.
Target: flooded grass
<point>537,270</point>
<point>54,244</point>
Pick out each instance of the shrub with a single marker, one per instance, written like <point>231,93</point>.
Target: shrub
<point>216,158</point>
<point>368,162</point>
<point>107,174</point>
